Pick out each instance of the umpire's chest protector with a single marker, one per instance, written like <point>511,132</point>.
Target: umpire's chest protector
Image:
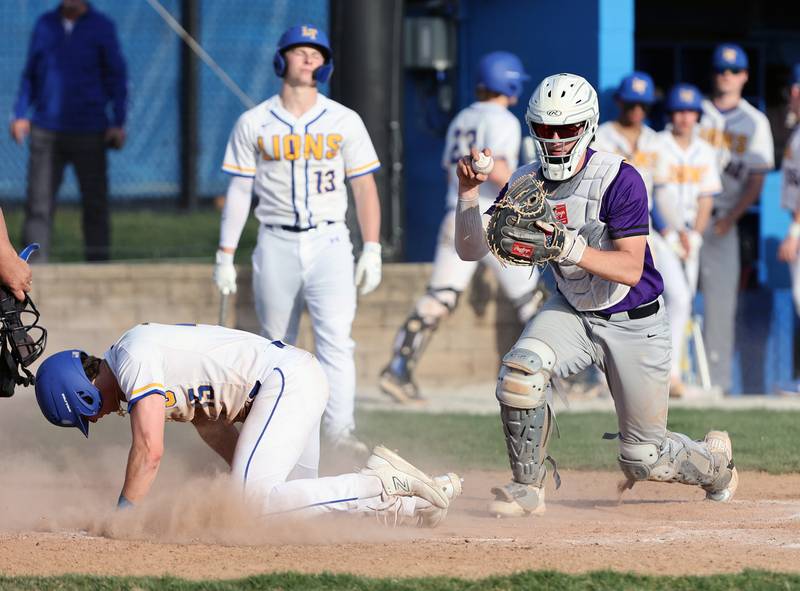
<point>576,203</point>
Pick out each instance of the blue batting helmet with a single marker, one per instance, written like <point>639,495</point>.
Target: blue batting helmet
<point>636,88</point>
<point>64,392</point>
<point>728,56</point>
<point>502,72</point>
<point>684,97</point>
<point>305,35</point>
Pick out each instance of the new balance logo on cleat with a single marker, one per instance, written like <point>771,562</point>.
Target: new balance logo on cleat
<point>401,484</point>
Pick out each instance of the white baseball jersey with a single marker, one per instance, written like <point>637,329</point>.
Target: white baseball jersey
<point>686,175</point>
<point>300,163</point>
<point>196,368</point>
<point>642,156</point>
<point>743,137</point>
<point>790,189</point>
<point>481,125</point>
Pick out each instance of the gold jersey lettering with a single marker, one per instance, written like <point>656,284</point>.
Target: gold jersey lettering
<point>264,154</point>
<point>315,145</point>
<point>333,142</point>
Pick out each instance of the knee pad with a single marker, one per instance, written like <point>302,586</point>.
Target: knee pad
<point>436,304</point>
<point>526,415</point>
<point>678,459</point>
<point>413,337</point>
<point>525,374</point>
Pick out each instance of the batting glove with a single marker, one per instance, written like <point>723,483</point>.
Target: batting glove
<point>225,273</point>
<point>368,269</point>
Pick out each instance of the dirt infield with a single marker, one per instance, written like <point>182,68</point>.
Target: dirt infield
<point>658,529</point>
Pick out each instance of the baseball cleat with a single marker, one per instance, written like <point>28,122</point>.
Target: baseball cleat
<point>400,478</point>
<point>517,500</point>
<point>719,442</point>
<point>432,516</point>
<point>401,388</point>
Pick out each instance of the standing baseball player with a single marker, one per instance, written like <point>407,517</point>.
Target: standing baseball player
<point>743,138</point>
<point>214,377</point>
<point>586,213</point>
<point>686,181</point>
<point>628,135</point>
<point>295,151</point>
<point>487,122</point>
<point>790,191</point>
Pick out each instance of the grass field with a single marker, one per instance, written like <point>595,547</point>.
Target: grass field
<point>542,580</point>
<point>138,234</point>
<point>762,439</point>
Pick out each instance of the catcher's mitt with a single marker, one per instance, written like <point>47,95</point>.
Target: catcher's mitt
<point>522,229</point>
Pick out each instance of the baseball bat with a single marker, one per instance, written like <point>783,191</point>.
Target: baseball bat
<point>223,309</point>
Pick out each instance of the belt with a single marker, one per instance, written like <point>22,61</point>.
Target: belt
<point>635,314</point>
<point>298,228</point>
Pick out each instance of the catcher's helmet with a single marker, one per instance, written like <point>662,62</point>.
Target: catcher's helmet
<point>562,101</point>
<point>684,97</point>
<point>64,392</point>
<point>304,35</point>
<point>502,72</point>
<point>22,339</point>
<point>636,88</point>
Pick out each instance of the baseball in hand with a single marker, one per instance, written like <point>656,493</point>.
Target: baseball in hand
<point>483,165</point>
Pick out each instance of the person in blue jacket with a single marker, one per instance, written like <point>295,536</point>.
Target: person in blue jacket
<point>72,103</point>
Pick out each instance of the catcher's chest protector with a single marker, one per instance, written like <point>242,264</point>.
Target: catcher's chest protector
<point>576,203</point>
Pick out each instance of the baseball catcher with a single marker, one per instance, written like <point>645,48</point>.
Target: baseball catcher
<point>585,213</point>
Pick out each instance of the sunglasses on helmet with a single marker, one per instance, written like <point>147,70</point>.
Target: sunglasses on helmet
<point>564,132</point>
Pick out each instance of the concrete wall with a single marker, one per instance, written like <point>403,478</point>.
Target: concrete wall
<point>89,306</point>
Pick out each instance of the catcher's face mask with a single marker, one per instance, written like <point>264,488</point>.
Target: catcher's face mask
<point>22,341</point>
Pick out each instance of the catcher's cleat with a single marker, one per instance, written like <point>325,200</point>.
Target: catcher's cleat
<point>517,500</point>
<point>400,478</point>
<point>719,442</point>
<point>400,388</point>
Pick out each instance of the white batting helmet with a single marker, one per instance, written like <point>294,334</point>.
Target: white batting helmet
<point>564,104</point>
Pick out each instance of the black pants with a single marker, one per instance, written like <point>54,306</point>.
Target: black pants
<point>51,151</point>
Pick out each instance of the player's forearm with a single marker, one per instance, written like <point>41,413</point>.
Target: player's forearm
<point>470,235</point>
<point>235,212</point>
<point>704,209</point>
<point>615,265</point>
<point>750,195</point>
<point>143,464</point>
<point>500,173</point>
<point>368,207</point>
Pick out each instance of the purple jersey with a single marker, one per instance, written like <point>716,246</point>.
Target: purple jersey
<point>624,210</point>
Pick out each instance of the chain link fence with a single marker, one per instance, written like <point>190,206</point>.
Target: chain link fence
<point>239,34</point>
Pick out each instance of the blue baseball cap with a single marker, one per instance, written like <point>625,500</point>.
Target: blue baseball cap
<point>684,97</point>
<point>636,88</point>
<point>728,56</point>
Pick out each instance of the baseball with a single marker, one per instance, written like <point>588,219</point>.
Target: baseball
<point>483,165</point>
